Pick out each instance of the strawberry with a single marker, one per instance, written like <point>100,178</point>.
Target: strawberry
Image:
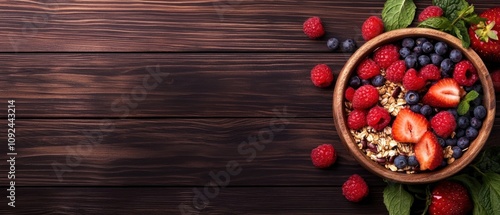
<point>484,36</point>
<point>372,27</point>
<point>412,81</point>
<point>428,152</point>
<point>450,197</point>
<point>408,126</point>
<point>446,93</point>
<point>495,77</point>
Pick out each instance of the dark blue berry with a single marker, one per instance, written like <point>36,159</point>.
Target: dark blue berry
<point>427,47</point>
<point>426,110</point>
<point>463,142</point>
<point>453,112</point>
<point>457,152</point>
<point>378,80</point>
<point>451,141</point>
<point>412,161</point>
<point>446,67</point>
<point>441,48</point>
<point>471,133</point>
<point>355,82</point>
<point>332,43</point>
<point>477,102</point>
<point>412,97</point>
<point>400,161</point>
<point>478,88</point>
<point>463,122</point>
<point>455,55</point>
<point>348,46</point>
<point>443,163</point>
<point>436,59</point>
<point>408,43</point>
<point>421,41</point>
<point>365,82</point>
<point>441,142</point>
<point>418,50</point>
<point>460,132</point>
<point>475,123</point>
<point>480,112</point>
<point>416,108</point>
<point>423,60</point>
<point>410,61</point>
<point>404,52</point>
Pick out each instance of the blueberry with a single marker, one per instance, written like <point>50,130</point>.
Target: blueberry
<point>355,82</point>
<point>457,152</point>
<point>475,123</point>
<point>403,52</point>
<point>378,80</point>
<point>446,67</point>
<point>332,43</point>
<point>454,112</point>
<point>426,110</point>
<point>427,47</point>
<point>451,141</point>
<point>459,132</point>
<point>440,48</point>
<point>410,61</point>
<point>455,55</point>
<point>423,60</point>
<point>480,112</point>
<point>412,161</point>
<point>477,102</point>
<point>441,142</point>
<point>400,161</point>
<point>408,43</point>
<point>412,97</point>
<point>463,142</point>
<point>416,108</point>
<point>418,50</point>
<point>365,82</point>
<point>478,88</point>
<point>443,163</point>
<point>471,133</point>
<point>463,122</point>
<point>436,59</point>
<point>421,41</point>
<point>348,46</point>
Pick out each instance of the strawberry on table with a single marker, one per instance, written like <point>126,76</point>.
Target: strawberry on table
<point>446,93</point>
<point>484,36</point>
<point>428,152</point>
<point>450,198</point>
<point>408,127</point>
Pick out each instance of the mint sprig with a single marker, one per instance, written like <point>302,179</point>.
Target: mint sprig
<point>398,14</point>
<point>397,200</point>
<point>464,106</point>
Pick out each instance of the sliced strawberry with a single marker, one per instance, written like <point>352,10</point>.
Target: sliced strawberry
<point>428,152</point>
<point>446,93</point>
<point>408,126</point>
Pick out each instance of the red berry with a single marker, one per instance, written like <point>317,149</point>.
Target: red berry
<point>396,71</point>
<point>412,81</point>
<point>450,197</point>
<point>430,72</point>
<point>365,97</point>
<point>313,27</point>
<point>321,75</point>
<point>378,118</point>
<point>349,93</point>
<point>372,27</point>
<point>323,156</point>
<point>409,127</point>
<point>443,124</point>
<point>356,119</point>
<point>355,188</point>
<point>428,12</point>
<point>386,55</point>
<point>465,73</point>
<point>368,69</point>
<point>495,77</point>
<point>445,93</point>
<point>428,152</point>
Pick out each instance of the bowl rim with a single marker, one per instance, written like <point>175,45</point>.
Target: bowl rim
<point>339,114</point>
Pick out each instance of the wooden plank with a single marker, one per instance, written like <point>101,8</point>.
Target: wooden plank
<point>161,200</point>
<point>174,152</point>
<point>180,25</point>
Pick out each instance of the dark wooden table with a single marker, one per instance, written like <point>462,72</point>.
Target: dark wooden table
<point>134,107</point>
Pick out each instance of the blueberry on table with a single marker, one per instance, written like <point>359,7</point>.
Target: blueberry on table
<point>459,133</point>
<point>463,122</point>
<point>378,80</point>
<point>404,52</point>
<point>412,161</point>
<point>440,48</point>
<point>457,152</point>
<point>480,112</point>
<point>408,43</point>
<point>436,59</point>
<point>332,43</point>
<point>355,82</point>
<point>463,142</point>
<point>348,46</point>
<point>471,133</point>
<point>423,60</point>
<point>455,55</point>
<point>427,47</point>
<point>400,161</point>
<point>412,97</point>
<point>476,123</point>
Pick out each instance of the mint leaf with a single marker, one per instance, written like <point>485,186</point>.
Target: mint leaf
<point>463,108</point>
<point>397,200</point>
<point>460,31</point>
<point>490,160</point>
<point>471,96</point>
<point>492,182</point>
<point>439,23</point>
<point>484,199</point>
<point>474,19</point>
<point>398,14</point>
<point>450,7</point>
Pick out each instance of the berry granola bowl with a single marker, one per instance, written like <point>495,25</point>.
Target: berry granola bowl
<point>413,106</point>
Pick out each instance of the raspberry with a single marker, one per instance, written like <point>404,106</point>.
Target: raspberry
<point>495,77</point>
<point>378,118</point>
<point>465,73</point>
<point>365,97</point>
<point>368,69</point>
<point>443,124</point>
<point>323,156</point>
<point>356,119</point>
<point>386,55</point>
<point>355,188</point>
<point>430,72</point>
<point>396,71</point>
<point>321,75</point>
<point>428,12</point>
<point>349,93</point>
<point>411,80</point>
<point>313,27</point>
<point>372,27</point>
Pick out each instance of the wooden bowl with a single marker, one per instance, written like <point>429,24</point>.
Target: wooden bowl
<point>340,116</point>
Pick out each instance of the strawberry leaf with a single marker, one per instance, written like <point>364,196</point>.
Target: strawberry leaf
<point>398,14</point>
<point>397,200</point>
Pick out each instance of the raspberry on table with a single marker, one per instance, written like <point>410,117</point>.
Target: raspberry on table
<point>372,27</point>
<point>323,156</point>
<point>368,69</point>
<point>378,118</point>
<point>465,73</point>
<point>355,188</point>
<point>396,71</point>
<point>365,97</point>
<point>313,28</point>
<point>321,75</point>
<point>356,119</point>
<point>386,55</point>
<point>428,12</point>
<point>443,124</point>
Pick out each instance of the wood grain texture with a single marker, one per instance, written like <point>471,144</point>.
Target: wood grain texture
<point>159,200</point>
<point>180,25</point>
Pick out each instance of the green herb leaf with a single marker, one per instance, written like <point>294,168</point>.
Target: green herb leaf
<point>490,160</point>
<point>397,200</point>
<point>398,14</point>
<point>471,96</point>
<point>463,108</point>
<point>484,199</point>
<point>474,19</point>
<point>439,23</point>
<point>460,31</point>
<point>451,8</point>
<point>492,184</point>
